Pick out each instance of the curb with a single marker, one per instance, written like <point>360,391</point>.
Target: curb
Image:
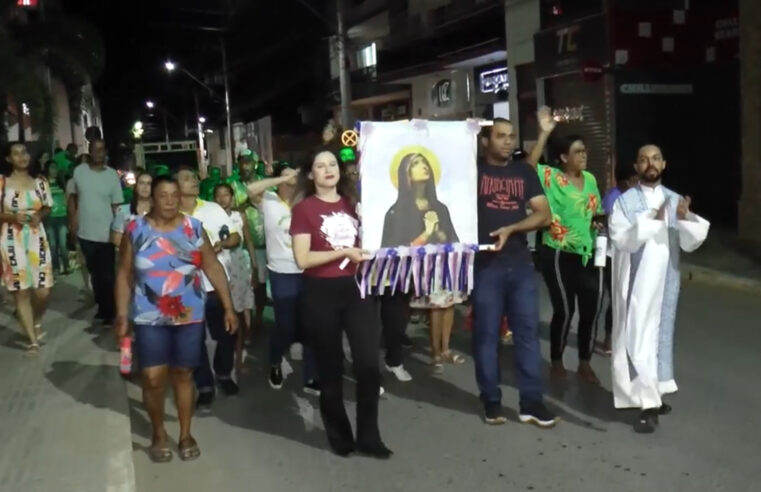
<point>718,278</point>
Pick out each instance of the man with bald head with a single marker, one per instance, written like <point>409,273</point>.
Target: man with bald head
<point>648,226</point>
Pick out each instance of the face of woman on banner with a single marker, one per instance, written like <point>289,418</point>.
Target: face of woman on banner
<point>325,171</point>
<point>419,171</point>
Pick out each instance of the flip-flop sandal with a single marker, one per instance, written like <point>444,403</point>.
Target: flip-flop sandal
<point>160,453</point>
<point>437,366</point>
<point>189,449</point>
<point>32,350</point>
<point>452,358</point>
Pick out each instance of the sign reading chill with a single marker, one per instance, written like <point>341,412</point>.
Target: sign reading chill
<point>419,212</point>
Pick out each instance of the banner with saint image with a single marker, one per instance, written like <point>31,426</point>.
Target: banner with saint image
<point>418,183</point>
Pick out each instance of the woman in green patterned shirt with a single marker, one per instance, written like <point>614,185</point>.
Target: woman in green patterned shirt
<point>566,253</point>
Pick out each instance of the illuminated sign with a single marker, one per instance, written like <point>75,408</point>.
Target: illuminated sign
<point>27,3</point>
<point>671,89</point>
<point>441,94</point>
<point>494,80</point>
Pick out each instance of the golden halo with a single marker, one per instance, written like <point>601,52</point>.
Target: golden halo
<point>414,149</point>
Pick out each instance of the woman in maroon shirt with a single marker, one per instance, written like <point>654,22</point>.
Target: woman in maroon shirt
<point>325,234</point>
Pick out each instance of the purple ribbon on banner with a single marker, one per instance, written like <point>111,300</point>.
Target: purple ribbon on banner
<point>446,278</point>
<point>382,255</point>
<point>364,288</point>
<point>394,269</point>
<point>416,266</point>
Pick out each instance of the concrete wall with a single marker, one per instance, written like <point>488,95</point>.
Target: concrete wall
<point>462,93</point>
<point>521,23</point>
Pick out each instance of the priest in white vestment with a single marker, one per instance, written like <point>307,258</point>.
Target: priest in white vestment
<point>648,227</point>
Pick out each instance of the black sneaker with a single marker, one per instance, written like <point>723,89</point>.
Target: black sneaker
<point>537,414</point>
<point>229,387</point>
<point>205,400</point>
<point>494,414</point>
<point>312,388</point>
<point>276,377</point>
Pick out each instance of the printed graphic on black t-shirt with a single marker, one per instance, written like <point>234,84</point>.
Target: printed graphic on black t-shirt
<point>503,196</point>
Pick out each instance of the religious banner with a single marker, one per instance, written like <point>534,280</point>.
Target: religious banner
<point>419,215</point>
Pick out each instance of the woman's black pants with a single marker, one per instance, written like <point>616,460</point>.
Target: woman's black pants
<point>568,281</point>
<point>332,306</point>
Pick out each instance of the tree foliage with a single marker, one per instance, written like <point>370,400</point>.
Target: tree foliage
<point>71,48</point>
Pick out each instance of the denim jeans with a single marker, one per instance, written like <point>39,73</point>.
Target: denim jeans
<point>56,231</point>
<point>224,355</point>
<point>287,289</point>
<point>507,287</point>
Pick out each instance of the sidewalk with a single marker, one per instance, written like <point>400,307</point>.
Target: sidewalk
<point>723,261</point>
<point>64,419</point>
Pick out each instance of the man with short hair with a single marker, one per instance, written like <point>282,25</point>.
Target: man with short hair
<point>505,281</point>
<point>95,194</point>
<point>219,228</point>
<point>649,225</point>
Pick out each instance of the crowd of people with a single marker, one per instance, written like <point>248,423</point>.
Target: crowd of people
<point>195,259</point>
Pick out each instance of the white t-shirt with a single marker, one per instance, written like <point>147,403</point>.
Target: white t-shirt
<point>214,220</point>
<point>277,224</point>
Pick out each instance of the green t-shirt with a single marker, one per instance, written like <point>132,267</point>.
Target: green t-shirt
<point>256,226</point>
<point>59,201</point>
<point>240,193</point>
<point>572,212</point>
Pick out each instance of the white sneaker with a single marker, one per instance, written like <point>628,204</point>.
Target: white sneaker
<point>381,391</point>
<point>286,368</point>
<point>400,372</point>
<point>297,351</point>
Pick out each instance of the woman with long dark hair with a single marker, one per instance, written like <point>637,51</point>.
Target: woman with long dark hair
<point>56,223</point>
<point>27,270</point>
<point>137,207</point>
<point>417,217</point>
<point>325,232</point>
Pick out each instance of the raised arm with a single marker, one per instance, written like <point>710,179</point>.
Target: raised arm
<point>256,188</point>
<point>546,126</point>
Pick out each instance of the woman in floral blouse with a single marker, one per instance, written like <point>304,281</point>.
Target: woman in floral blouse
<point>163,255</point>
<point>566,253</point>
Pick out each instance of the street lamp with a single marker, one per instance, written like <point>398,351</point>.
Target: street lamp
<point>170,66</point>
<point>149,104</point>
<point>201,119</point>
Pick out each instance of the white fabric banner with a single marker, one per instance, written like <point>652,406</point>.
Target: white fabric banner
<point>418,183</point>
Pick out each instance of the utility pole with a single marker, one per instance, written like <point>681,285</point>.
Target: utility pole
<point>344,81</point>
<point>166,127</point>
<point>749,220</point>
<point>199,129</point>
<point>229,133</point>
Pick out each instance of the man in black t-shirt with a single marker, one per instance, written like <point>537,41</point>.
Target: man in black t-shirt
<point>505,281</point>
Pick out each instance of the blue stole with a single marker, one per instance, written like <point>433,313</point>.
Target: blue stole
<point>633,203</point>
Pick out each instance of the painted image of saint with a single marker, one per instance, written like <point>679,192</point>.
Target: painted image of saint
<point>417,217</point>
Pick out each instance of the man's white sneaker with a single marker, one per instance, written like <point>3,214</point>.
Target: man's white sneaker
<point>400,372</point>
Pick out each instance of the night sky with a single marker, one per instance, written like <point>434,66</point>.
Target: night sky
<point>277,58</point>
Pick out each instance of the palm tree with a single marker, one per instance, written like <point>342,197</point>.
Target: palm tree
<point>70,48</point>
